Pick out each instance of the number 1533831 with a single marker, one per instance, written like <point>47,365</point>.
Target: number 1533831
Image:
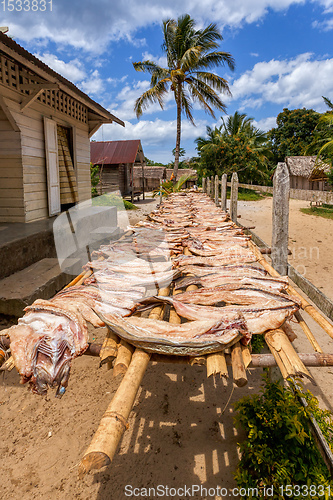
<point>26,5</point>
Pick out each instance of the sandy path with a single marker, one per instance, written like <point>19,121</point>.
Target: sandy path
<point>178,435</point>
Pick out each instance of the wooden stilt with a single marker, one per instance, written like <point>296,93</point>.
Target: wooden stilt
<point>217,365</point>
<point>109,349</point>
<point>123,358</point>
<point>238,368</point>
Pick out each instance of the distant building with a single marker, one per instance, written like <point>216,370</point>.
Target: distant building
<point>46,123</point>
<point>154,174</point>
<point>116,161</point>
<point>306,174</point>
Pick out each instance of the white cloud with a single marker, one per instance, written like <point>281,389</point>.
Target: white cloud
<point>161,61</point>
<point>72,70</point>
<point>266,123</point>
<point>94,84</point>
<point>298,82</point>
<point>91,26</point>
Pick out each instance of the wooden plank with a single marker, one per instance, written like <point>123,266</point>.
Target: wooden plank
<point>12,211</point>
<point>12,218</point>
<point>35,205</point>
<point>36,215</point>
<point>35,187</point>
<point>36,195</point>
<point>9,172</point>
<point>33,161</point>
<point>11,192</point>
<point>33,178</point>
<point>11,202</point>
<point>11,183</point>
<point>31,151</point>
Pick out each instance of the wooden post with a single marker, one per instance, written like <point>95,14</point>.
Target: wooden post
<point>132,182</point>
<point>234,197</point>
<point>224,192</point>
<point>216,189</point>
<point>160,191</point>
<point>208,186</point>
<point>143,181</point>
<point>280,219</point>
<point>204,184</point>
<point>212,194</point>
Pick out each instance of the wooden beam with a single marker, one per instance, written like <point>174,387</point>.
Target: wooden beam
<point>36,86</point>
<point>30,98</point>
<point>9,115</point>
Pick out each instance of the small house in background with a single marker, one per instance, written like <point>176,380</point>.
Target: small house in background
<point>155,174</point>
<point>45,124</point>
<point>117,161</point>
<point>306,174</point>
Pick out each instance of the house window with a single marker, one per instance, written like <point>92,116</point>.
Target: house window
<point>67,176</point>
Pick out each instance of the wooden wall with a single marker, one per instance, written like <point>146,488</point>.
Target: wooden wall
<point>33,187</point>
<point>11,173</point>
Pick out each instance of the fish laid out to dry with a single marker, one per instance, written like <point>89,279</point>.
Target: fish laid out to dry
<point>216,280</point>
<point>44,343</point>
<point>227,270</point>
<point>258,319</point>
<point>194,338</point>
<point>235,294</point>
<point>234,257</point>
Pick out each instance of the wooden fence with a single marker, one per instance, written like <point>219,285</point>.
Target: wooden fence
<point>280,216</point>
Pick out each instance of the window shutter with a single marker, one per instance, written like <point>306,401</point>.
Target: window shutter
<point>51,153</point>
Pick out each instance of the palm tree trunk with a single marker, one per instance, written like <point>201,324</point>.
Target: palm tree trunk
<point>179,121</point>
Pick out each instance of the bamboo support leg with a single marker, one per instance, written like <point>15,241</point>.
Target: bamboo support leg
<point>109,349</point>
<point>114,422</point>
<point>216,364</point>
<point>308,332</point>
<point>285,355</point>
<point>123,358</point>
<point>238,368</point>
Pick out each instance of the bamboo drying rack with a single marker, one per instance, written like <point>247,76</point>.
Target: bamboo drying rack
<point>131,363</point>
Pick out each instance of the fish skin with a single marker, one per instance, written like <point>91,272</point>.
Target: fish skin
<point>44,343</point>
<point>234,270</point>
<point>248,257</point>
<point>197,337</point>
<point>210,281</point>
<point>239,294</point>
<point>258,320</point>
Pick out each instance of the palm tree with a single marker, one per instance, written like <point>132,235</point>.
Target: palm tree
<point>190,53</point>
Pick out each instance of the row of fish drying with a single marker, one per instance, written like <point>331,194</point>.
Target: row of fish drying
<point>126,276</point>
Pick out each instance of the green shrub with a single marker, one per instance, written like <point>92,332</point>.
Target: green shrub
<point>279,448</point>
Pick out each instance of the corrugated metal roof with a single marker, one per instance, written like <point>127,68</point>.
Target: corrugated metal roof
<point>13,46</point>
<point>114,152</point>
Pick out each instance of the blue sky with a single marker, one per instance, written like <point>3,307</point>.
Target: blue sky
<point>283,51</point>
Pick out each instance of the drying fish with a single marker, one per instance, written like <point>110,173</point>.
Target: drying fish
<point>44,343</point>
<point>195,338</point>
<point>258,319</point>
<point>246,256</point>
<point>132,266</point>
<point>235,294</point>
<point>231,270</point>
<point>213,280</point>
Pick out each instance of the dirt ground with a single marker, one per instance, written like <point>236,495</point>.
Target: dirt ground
<point>181,428</point>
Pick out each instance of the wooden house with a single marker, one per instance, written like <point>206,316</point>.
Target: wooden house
<point>116,161</point>
<point>154,174</point>
<point>305,173</point>
<point>45,127</point>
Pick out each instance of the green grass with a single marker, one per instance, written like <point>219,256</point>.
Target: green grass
<point>246,195</point>
<point>323,211</point>
<point>113,200</point>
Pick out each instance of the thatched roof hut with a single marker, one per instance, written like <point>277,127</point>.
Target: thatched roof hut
<point>307,173</point>
<point>153,175</point>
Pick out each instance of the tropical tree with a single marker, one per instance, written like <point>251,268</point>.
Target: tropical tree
<point>190,55</point>
<point>236,146</point>
<point>293,133</point>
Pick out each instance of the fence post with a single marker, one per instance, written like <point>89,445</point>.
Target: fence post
<point>216,189</point>
<point>224,192</point>
<point>208,186</point>
<point>160,191</point>
<point>234,197</point>
<point>204,184</point>
<point>280,218</point>
<point>212,187</point>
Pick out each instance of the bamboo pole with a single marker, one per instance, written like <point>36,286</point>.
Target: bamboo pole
<point>246,355</point>
<point>285,355</point>
<point>306,306</point>
<point>315,359</point>
<point>109,349</point>
<point>123,359</point>
<point>238,368</point>
<point>216,364</point>
<point>308,332</point>
<point>114,421</point>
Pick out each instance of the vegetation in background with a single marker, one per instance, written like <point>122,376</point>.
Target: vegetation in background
<point>190,54</point>
<point>257,343</point>
<point>152,163</point>
<point>169,187</point>
<point>235,146</point>
<point>293,134</point>
<point>325,211</point>
<point>279,448</point>
<point>94,178</point>
<point>246,194</point>
<point>114,200</point>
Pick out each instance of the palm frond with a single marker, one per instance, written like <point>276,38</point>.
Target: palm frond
<point>152,95</point>
<point>215,59</point>
<point>215,81</point>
